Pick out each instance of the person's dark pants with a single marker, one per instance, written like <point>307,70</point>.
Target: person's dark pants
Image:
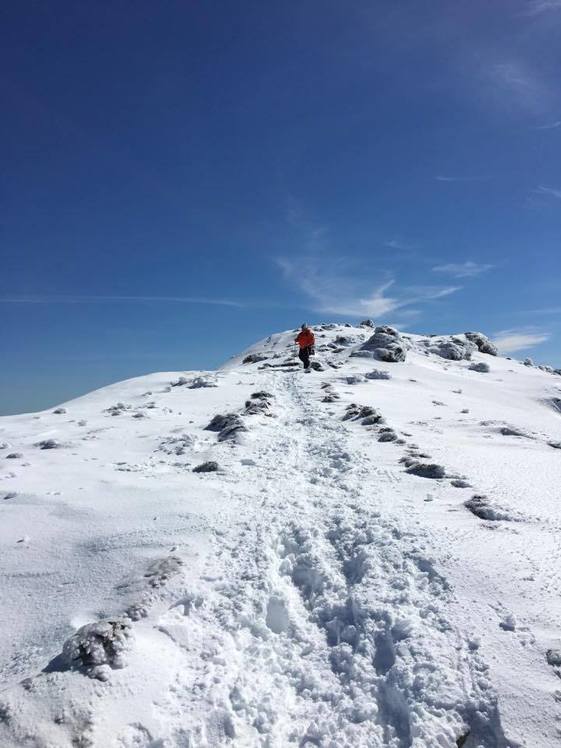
<point>304,356</point>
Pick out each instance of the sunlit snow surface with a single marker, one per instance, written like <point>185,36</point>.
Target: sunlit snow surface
<point>315,589</point>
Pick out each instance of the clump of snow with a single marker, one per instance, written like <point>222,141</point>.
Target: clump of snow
<point>98,647</point>
<point>162,570</point>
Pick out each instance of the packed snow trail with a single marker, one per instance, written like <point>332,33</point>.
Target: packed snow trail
<point>309,593</point>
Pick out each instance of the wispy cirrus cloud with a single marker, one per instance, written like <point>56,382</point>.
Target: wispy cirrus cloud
<point>442,178</point>
<point>510,341</point>
<point>549,125</point>
<point>53,299</point>
<point>547,191</point>
<point>466,269</point>
<point>332,289</point>
<point>537,7</point>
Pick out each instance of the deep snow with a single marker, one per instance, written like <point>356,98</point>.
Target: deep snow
<point>367,555</point>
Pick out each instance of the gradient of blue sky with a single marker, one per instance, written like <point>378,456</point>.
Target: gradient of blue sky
<point>182,178</point>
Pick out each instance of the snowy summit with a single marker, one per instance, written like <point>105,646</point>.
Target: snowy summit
<point>365,555</point>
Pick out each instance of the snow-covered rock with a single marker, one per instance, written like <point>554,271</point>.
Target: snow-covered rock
<point>386,344</point>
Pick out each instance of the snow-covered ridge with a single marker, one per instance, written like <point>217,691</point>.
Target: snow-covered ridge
<point>367,555</point>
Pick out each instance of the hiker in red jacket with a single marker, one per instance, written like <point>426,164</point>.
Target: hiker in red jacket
<point>306,341</point>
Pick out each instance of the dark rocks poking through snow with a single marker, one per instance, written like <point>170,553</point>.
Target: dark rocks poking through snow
<point>481,367</point>
<point>331,397</point>
<point>528,362</point>
<point>452,349</point>
<point>261,395</point>
<point>228,426</point>
<point>512,431</point>
<point>553,657</point>
<point>385,345</point>
<point>387,435</point>
<point>161,570</point>
<point>98,647</point>
<point>116,410</point>
<point>4,445</point>
<point>481,507</point>
<point>254,358</point>
<point>59,411</point>
<point>482,342</point>
<point>202,382</point>
<point>206,467</point>
<point>354,379</point>
<point>256,407</point>
<point>460,483</point>
<point>366,323</point>
<point>427,470</point>
<point>48,444</point>
<point>378,374</point>
<point>555,445</point>
<point>316,366</point>
<point>14,456</point>
<point>555,403</point>
<point>181,382</point>
<point>176,445</point>
<point>367,415</point>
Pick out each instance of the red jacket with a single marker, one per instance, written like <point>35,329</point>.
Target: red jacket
<point>305,338</point>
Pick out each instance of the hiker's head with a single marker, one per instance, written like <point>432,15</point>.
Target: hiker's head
<point>304,326</point>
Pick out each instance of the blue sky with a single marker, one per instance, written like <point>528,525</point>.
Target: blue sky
<point>182,178</point>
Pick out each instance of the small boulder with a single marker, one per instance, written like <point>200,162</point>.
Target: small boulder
<point>59,411</point>
<point>481,367</point>
<point>482,342</point>
<point>98,647</point>
<point>254,358</point>
<point>48,444</point>
<point>386,344</point>
<point>206,467</point>
<point>378,374</point>
<point>14,456</point>
<point>427,470</point>
<point>366,323</point>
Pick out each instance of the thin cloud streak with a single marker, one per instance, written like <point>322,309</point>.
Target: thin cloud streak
<point>537,7</point>
<point>550,126</point>
<point>46,299</point>
<point>441,178</point>
<point>510,341</point>
<point>332,291</point>
<point>549,191</point>
<point>466,269</point>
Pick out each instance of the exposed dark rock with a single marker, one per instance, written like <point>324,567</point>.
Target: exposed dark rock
<point>48,444</point>
<point>254,358</point>
<point>378,374</point>
<point>261,395</point>
<point>366,323</point>
<point>256,407</point>
<point>206,467</point>
<point>387,436</point>
<point>427,470</point>
<point>460,483</point>
<point>483,508</point>
<point>453,350</point>
<point>316,366</point>
<point>59,411</point>
<point>180,382</point>
<point>482,367</point>
<point>221,421</point>
<point>14,456</point>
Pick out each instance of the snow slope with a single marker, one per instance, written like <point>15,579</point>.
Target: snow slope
<point>315,590</point>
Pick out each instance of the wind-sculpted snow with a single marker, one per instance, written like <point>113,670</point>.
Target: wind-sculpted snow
<point>260,556</point>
